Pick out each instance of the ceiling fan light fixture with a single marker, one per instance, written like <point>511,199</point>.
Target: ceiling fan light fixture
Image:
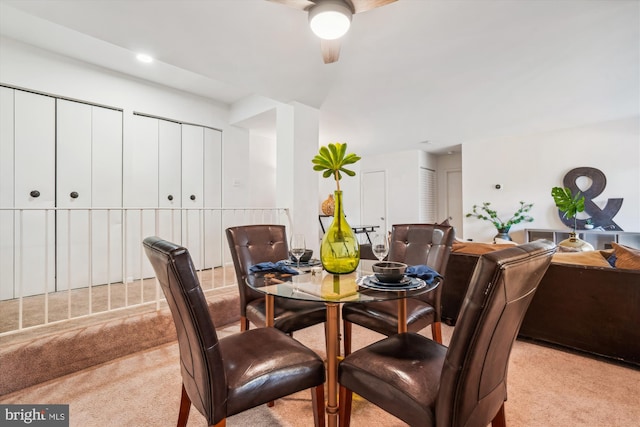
<point>329,19</point>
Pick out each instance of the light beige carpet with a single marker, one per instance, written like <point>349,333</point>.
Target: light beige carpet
<point>547,387</point>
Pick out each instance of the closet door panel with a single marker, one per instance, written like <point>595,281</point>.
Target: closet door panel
<point>213,197</point>
<point>170,180</point>
<point>106,191</point>
<point>34,160</point>
<point>73,190</point>
<point>141,191</point>
<point>6,193</point>
<point>192,191</point>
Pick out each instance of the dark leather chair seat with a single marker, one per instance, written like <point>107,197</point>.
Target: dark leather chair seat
<point>227,376</point>
<point>427,384</point>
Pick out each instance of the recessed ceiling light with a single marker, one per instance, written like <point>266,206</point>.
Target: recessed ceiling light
<point>142,57</point>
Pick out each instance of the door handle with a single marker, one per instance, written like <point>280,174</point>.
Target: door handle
<point>193,197</point>
<point>170,197</point>
<point>35,193</point>
<point>74,195</point>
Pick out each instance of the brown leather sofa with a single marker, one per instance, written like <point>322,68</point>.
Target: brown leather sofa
<point>585,308</point>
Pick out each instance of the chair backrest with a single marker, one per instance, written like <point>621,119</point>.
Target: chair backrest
<point>422,244</point>
<point>473,384</point>
<point>203,373</point>
<point>252,244</point>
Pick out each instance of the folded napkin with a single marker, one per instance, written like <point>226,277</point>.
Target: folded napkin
<point>272,266</point>
<point>423,272</point>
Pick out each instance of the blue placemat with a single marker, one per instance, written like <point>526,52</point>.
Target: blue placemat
<point>423,272</point>
<point>279,267</point>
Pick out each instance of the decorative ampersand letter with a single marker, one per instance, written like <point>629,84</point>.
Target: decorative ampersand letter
<point>600,217</point>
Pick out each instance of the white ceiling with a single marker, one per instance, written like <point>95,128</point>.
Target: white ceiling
<point>445,71</point>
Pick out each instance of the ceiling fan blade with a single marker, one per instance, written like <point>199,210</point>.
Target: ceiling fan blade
<point>330,50</point>
<point>296,4</point>
<point>364,5</point>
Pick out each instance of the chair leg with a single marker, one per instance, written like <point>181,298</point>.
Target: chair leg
<point>185,406</point>
<point>317,400</point>
<point>436,332</point>
<point>347,337</point>
<point>221,423</point>
<point>244,324</point>
<point>344,412</point>
<point>499,420</point>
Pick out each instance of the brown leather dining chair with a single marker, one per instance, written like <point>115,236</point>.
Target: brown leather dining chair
<point>226,376</point>
<point>412,244</point>
<point>253,244</point>
<point>425,383</point>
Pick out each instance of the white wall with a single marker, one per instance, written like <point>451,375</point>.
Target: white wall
<point>528,167</point>
<point>33,68</point>
<point>402,171</point>
<point>262,175</point>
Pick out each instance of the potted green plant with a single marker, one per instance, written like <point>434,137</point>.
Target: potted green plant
<point>339,250</point>
<point>568,203</point>
<point>486,213</point>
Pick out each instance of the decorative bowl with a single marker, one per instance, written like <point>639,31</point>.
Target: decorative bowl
<point>389,272</point>
<point>304,258</point>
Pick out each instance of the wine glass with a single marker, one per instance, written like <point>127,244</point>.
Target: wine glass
<point>298,247</point>
<point>380,246</point>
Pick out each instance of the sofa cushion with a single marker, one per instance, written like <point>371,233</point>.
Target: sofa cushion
<point>588,258</point>
<point>626,257</point>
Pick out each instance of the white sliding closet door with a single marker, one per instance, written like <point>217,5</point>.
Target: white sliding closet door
<point>140,191</point>
<point>169,180</point>
<point>89,175</point>
<point>73,190</point>
<point>213,197</point>
<point>106,192</point>
<point>34,187</point>
<point>6,193</point>
<point>193,191</point>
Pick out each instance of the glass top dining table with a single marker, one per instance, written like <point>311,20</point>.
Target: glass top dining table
<point>333,290</point>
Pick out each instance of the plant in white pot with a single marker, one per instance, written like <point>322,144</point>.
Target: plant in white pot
<point>486,213</point>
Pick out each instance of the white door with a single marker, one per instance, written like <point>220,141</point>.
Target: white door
<point>374,200</point>
<point>106,192</point>
<point>428,209</point>
<point>6,193</point>
<point>213,197</point>
<point>73,190</point>
<point>88,175</point>
<point>140,191</point>
<point>34,187</point>
<point>169,180</point>
<point>193,191</point>
<point>454,200</point>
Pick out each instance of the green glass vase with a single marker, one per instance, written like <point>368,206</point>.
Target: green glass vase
<point>339,250</point>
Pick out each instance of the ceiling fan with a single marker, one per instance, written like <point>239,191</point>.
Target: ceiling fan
<point>330,20</point>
